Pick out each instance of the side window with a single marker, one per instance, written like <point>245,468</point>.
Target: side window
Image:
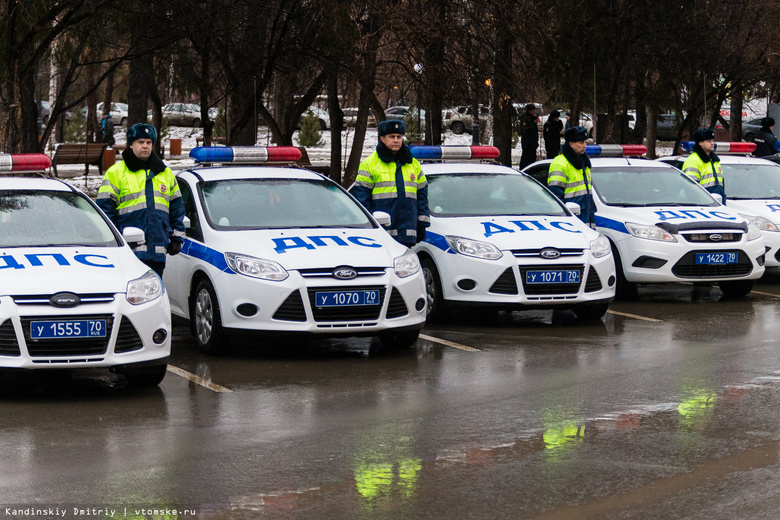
<point>539,172</point>
<point>194,230</point>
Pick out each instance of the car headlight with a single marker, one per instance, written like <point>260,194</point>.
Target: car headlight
<point>406,265</point>
<point>145,289</point>
<point>600,247</point>
<point>754,232</point>
<point>649,232</point>
<point>468,247</point>
<point>256,267</point>
<point>764,224</point>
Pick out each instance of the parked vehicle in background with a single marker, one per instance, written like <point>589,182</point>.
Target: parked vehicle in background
<point>460,120</point>
<point>320,114</point>
<point>180,114</point>
<point>118,113</point>
<point>750,129</point>
<point>351,114</point>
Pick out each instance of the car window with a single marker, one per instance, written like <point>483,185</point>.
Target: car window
<point>647,186</point>
<point>51,218</point>
<point>194,230</point>
<point>279,203</point>
<point>471,194</point>
<point>752,181</point>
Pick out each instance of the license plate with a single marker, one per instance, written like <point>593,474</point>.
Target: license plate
<point>68,329</point>
<point>557,276</point>
<point>346,298</point>
<point>716,258</point>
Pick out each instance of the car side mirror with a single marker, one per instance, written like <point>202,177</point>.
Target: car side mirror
<point>718,197</point>
<point>573,207</point>
<point>382,218</point>
<point>187,223</point>
<point>133,236</point>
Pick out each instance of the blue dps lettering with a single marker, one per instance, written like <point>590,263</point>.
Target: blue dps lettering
<point>282,245</point>
<point>693,214</point>
<point>51,260</point>
<point>773,207</point>
<point>491,228</point>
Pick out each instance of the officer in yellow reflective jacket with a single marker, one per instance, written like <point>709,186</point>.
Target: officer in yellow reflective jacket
<point>703,166</point>
<point>569,174</point>
<point>140,191</point>
<point>391,180</point>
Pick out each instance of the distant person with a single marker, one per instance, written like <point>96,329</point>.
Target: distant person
<point>391,180</point>
<point>569,174</point>
<point>703,166</point>
<point>107,130</point>
<point>140,191</point>
<point>567,115</point>
<point>529,135</point>
<point>551,132</point>
<point>765,139</point>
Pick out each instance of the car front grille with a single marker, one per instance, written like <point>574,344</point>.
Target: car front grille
<point>127,339</point>
<point>505,284</point>
<point>9,346</point>
<point>532,253</point>
<point>686,267</point>
<point>397,306</point>
<point>43,299</point>
<point>327,272</point>
<point>347,313</point>
<point>292,308</point>
<point>714,238</point>
<point>593,283</point>
<point>67,346</point>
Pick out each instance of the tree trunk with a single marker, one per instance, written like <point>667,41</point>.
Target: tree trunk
<point>336,125</point>
<point>502,100</point>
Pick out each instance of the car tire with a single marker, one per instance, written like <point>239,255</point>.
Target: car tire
<point>123,122</point>
<point>591,311</point>
<point>394,340</point>
<point>145,377</point>
<point>750,137</point>
<point>323,126</point>
<point>206,320</point>
<point>457,128</point>
<point>196,122</point>
<point>435,300</point>
<point>624,290</point>
<point>736,288</point>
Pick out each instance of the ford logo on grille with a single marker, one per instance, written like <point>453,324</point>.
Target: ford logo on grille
<point>344,273</point>
<point>65,299</point>
<point>549,252</point>
<point>716,237</point>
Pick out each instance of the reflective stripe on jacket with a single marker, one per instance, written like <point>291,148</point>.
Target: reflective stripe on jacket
<point>572,185</point>
<point>155,207</point>
<point>709,174</point>
<point>401,191</point>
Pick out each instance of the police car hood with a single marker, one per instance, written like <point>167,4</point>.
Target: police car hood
<point>769,208</point>
<point>680,216</point>
<point>309,248</point>
<point>48,270</point>
<point>508,232</point>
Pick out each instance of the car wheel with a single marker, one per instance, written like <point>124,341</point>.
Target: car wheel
<point>435,310</point>
<point>736,288</point>
<point>457,128</point>
<point>398,340</point>
<point>323,126</point>
<point>207,323</point>
<point>750,137</point>
<point>591,311</point>
<point>145,377</point>
<point>196,122</point>
<point>123,122</point>
<point>624,290</point>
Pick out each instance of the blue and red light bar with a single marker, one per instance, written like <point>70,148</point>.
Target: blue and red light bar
<point>24,162</point>
<point>452,153</point>
<point>723,147</point>
<point>245,154</point>
<point>615,150</point>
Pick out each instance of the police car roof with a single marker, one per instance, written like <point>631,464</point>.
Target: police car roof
<point>11,182</point>
<point>219,173</point>
<point>725,159</point>
<point>465,167</point>
<point>615,161</point>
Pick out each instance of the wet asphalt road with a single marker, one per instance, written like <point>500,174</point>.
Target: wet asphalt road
<point>668,408</point>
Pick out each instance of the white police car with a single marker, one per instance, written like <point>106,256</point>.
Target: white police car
<point>72,292</point>
<point>666,228</point>
<point>499,239</point>
<point>278,250</point>
<point>752,189</point>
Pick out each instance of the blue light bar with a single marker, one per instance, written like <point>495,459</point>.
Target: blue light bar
<point>245,154</point>
<point>723,147</point>
<point>462,153</point>
<point>615,150</point>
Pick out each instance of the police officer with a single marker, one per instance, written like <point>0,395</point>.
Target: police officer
<point>569,174</point>
<point>529,135</point>
<point>765,139</point>
<point>142,192</point>
<point>551,131</point>
<point>391,180</point>
<point>703,166</point>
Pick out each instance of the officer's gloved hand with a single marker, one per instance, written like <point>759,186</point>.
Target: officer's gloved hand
<point>174,247</point>
<point>420,233</point>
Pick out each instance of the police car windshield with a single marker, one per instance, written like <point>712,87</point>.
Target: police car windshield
<point>279,203</point>
<point>647,186</point>
<point>479,195</point>
<point>51,218</point>
<point>752,181</point>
